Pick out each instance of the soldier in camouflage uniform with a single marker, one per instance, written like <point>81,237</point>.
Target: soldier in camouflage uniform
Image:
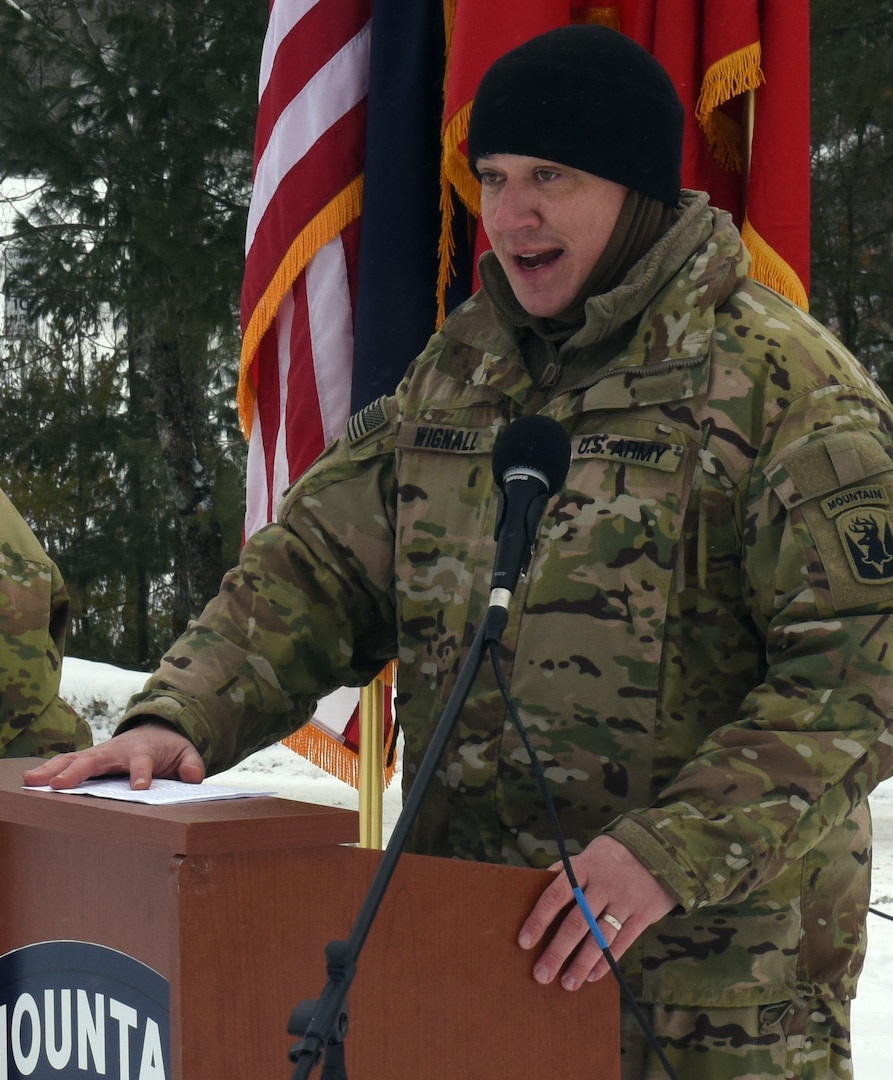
<point>34,720</point>
<point>701,647</point>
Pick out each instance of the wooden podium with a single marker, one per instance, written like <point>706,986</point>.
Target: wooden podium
<point>233,903</point>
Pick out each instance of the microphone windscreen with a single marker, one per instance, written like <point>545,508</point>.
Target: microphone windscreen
<point>534,442</point>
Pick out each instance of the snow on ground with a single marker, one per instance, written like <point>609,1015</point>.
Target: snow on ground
<point>100,692</point>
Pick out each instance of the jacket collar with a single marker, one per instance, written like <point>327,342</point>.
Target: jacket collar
<point>662,315</point>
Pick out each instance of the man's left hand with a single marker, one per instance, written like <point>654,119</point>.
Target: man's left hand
<point>620,891</point>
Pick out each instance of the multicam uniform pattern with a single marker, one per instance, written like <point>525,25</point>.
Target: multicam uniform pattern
<point>34,720</point>
<point>700,649</point>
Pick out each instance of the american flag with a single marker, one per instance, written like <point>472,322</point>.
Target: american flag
<point>302,240</point>
<point>301,255</point>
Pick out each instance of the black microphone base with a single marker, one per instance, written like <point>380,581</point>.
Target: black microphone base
<point>323,1021</point>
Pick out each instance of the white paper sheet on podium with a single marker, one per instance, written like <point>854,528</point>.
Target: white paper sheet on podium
<point>161,793</point>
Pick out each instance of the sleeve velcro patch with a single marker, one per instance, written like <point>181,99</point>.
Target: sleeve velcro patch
<point>844,486</point>
<point>824,466</point>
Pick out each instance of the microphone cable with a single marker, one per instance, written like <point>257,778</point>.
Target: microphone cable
<point>579,896</point>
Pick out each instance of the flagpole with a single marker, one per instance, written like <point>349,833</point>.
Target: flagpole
<point>747,148</point>
<point>371,763</point>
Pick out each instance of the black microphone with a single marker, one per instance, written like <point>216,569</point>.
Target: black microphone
<point>530,463</point>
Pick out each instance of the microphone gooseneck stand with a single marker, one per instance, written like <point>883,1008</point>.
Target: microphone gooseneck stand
<point>323,1022</point>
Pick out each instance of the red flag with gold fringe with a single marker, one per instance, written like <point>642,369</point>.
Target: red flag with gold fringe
<point>777,209</point>
<point>741,68</point>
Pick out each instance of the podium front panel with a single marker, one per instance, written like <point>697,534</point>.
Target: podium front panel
<point>239,930</point>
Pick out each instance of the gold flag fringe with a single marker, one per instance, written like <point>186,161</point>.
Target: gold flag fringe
<point>603,16</point>
<point>733,75</point>
<point>327,753</point>
<point>334,217</point>
<point>336,759</point>
<point>726,137</point>
<point>455,175</point>
<point>771,269</point>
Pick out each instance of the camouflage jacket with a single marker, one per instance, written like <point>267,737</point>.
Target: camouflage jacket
<point>34,720</point>
<point>700,649</point>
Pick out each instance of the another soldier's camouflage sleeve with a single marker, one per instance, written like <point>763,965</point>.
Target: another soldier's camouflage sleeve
<point>34,720</point>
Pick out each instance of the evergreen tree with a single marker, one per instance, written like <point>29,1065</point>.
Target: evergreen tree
<point>852,176</point>
<point>65,449</point>
<point>138,121</point>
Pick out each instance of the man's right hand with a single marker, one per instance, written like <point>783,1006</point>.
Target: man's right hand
<point>147,750</point>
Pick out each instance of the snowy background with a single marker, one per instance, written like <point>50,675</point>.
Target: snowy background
<point>100,692</point>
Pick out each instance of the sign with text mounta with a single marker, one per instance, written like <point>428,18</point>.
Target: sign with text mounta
<point>74,1009</point>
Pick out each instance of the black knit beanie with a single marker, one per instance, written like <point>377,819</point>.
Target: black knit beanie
<point>587,97</point>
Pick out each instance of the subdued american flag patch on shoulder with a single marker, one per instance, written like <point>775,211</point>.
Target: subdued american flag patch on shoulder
<point>367,420</point>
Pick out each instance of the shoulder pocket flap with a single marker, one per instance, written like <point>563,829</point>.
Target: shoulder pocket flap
<point>818,467</point>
